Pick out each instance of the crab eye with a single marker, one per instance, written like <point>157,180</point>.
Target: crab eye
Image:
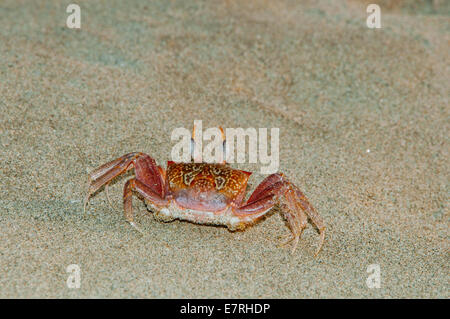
<point>192,149</point>
<point>224,150</point>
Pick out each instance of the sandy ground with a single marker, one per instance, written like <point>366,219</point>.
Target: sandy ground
<point>364,125</point>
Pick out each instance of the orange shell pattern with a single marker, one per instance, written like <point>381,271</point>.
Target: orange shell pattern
<point>205,177</point>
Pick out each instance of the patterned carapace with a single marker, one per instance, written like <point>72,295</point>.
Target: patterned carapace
<point>206,187</point>
<point>207,177</point>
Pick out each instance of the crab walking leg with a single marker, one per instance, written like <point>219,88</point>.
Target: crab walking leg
<point>295,217</point>
<point>297,210</point>
<point>250,213</point>
<point>143,190</point>
<point>105,173</point>
<point>301,200</point>
<point>146,171</point>
<point>277,189</point>
<point>269,183</point>
<point>107,196</point>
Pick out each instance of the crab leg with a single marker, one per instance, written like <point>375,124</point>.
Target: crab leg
<point>143,190</point>
<point>149,176</point>
<point>105,173</point>
<point>297,209</point>
<point>277,189</point>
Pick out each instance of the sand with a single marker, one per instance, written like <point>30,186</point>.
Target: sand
<point>363,117</point>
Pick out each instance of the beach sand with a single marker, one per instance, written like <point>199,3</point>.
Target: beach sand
<point>364,124</point>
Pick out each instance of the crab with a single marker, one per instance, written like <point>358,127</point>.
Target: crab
<point>207,193</point>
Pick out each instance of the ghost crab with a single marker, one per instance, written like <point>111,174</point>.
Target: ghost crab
<point>206,193</point>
